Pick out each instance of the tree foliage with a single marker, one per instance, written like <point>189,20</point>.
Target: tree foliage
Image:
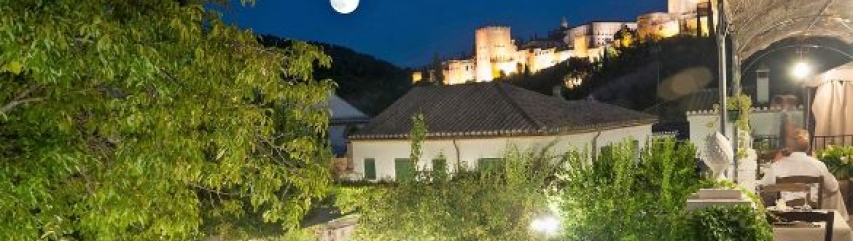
<point>152,120</point>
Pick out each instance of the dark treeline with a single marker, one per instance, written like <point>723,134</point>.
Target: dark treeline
<point>367,83</point>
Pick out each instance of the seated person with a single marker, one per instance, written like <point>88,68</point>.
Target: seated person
<point>798,163</point>
<point>781,154</point>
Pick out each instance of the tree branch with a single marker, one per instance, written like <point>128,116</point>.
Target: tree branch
<point>14,103</point>
<point>20,99</point>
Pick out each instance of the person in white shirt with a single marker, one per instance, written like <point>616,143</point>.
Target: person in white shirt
<point>801,164</point>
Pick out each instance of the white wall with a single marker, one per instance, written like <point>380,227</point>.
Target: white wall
<point>762,122</point>
<point>385,151</point>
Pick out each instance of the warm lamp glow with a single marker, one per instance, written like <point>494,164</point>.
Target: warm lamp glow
<point>801,70</point>
<point>548,225</point>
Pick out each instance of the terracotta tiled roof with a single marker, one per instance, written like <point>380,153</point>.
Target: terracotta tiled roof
<point>495,109</point>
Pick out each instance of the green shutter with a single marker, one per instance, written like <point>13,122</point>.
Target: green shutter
<point>369,169</point>
<point>439,165</point>
<point>404,169</point>
<point>490,165</point>
<point>439,169</point>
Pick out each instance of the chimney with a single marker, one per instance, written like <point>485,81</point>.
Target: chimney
<point>762,83</point>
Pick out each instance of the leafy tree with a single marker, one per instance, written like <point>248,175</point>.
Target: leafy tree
<point>152,120</point>
<point>625,37</point>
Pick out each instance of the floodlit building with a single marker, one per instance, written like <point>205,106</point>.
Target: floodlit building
<point>657,25</point>
<point>473,125</point>
<point>495,53</point>
<point>459,71</point>
<point>590,40</point>
<point>417,76</point>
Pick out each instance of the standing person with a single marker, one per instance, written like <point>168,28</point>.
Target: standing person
<point>799,163</point>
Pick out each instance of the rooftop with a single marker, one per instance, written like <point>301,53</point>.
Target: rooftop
<point>495,109</point>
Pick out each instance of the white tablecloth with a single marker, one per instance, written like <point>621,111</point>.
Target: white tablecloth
<point>840,232</point>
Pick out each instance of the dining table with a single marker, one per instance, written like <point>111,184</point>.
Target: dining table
<point>840,230</point>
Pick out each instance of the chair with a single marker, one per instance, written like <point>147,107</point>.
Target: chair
<point>807,180</point>
<point>811,216</point>
<point>771,193</point>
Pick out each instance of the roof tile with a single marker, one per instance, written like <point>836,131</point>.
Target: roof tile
<point>494,109</point>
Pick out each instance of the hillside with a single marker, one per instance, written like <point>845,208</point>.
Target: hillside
<point>676,66</point>
<point>367,83</point>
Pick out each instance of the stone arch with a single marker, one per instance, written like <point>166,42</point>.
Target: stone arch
<point>756,24</point>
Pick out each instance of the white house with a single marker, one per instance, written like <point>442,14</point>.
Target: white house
<point>766,121</point>
<point>474,124</point>
<point>344,119</point>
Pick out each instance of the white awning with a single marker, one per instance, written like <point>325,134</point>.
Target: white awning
<point>840,73</point>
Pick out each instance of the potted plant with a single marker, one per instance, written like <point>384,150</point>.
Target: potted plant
<point>839,161</point>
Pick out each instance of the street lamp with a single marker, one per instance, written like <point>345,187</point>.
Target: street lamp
<point>801,70</point>
<point>547,225</point>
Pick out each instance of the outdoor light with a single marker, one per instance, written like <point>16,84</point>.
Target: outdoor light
<point>801,70</point>
<point>548,225</point>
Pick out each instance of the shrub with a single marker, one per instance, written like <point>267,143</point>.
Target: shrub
<point>619,195</point>
<point>839,160</point>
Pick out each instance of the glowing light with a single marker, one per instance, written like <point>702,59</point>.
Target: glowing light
<point>801,70</point>
<point>344,6</point>
<point>548,225</point>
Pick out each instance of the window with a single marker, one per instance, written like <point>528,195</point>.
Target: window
<point>490,164</point>
<point>404,169</point>
<point>369,169</point>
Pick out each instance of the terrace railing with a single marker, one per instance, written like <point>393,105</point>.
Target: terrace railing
<point>821,142</point>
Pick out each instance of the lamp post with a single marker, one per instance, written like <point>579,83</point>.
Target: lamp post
<point>722,32</point>
<point>801,71</point>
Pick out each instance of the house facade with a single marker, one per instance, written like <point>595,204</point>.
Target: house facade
<point>473,125</point>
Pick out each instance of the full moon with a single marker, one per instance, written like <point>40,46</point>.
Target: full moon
<point>344,6</point>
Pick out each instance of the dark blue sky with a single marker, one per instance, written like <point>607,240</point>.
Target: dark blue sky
<point>408,32</point>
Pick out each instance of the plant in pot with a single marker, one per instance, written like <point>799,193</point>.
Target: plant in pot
<point>839,161</point>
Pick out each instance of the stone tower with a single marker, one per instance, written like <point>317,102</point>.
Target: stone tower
<point>495,52</point>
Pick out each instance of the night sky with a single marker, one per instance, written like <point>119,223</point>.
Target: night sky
<point>408,32</point>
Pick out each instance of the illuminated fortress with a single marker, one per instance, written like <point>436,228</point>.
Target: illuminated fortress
<point>497,54</point>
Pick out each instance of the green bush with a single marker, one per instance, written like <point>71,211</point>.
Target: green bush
<point>619,195</point>
<point>728,223</point>
<point>469,206</point>
<point>839,160</point>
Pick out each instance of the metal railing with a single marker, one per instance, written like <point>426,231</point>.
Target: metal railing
<point>821,142</point>
<point>768,142</point>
